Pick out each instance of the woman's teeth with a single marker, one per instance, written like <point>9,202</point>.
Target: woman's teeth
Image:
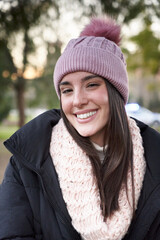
<point>85,115</point>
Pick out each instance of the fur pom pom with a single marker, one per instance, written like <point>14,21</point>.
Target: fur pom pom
<point>105,27</point>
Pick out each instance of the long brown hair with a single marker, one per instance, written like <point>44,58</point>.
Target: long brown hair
<point>112,173</point>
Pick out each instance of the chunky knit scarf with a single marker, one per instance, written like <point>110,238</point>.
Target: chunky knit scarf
<point>80,191</point>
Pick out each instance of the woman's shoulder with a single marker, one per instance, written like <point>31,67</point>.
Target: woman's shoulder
<point>151,144</point>
<point>34,137</point>
<point>147,133</point>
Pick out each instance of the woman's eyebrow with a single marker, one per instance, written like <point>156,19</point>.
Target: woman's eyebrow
<point>89,77</point>
<point>83,79</point>
<point>64,83</point>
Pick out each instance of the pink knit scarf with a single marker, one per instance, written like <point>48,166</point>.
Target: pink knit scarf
<point>79,188</point>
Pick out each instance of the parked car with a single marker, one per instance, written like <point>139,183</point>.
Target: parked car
<point>143,114</point>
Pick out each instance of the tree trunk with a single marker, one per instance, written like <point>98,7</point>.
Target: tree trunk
<point>20,89</point>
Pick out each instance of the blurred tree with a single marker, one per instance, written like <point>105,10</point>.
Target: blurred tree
<point>6,70</point>
<point>19,16</point>
<point>147,54</point>
<point>43,86</point>
<point>127,10</point>
<point>144,63</point>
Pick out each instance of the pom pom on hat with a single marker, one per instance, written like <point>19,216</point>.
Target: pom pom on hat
<point>106,28</point>
<point>95,51</point>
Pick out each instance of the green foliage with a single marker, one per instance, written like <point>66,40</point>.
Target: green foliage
<point>147,55</point>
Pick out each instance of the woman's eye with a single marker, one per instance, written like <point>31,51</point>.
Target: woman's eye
<point>93,85</point>
<point>65,91</point>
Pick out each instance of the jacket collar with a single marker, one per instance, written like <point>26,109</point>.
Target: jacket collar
<point>31,142</point>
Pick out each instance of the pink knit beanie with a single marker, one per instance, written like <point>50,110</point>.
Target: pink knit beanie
<point>95,51</point>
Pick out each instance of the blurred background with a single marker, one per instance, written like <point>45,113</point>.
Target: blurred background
<point>33,33</point>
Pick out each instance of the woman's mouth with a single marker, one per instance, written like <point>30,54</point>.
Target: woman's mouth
<point>85,115</point>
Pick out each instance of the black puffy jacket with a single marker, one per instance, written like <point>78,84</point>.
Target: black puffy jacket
<point>31,202</point>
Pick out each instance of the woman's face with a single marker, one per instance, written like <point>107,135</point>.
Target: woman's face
<point>84,100</point>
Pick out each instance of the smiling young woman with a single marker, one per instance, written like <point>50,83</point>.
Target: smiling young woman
<point>87,171</point>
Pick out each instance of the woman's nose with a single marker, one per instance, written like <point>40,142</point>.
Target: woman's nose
<point>79,98</point>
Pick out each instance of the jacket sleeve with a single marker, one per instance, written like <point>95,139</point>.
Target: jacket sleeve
<point>16,217</point>
<point>154,231</point>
